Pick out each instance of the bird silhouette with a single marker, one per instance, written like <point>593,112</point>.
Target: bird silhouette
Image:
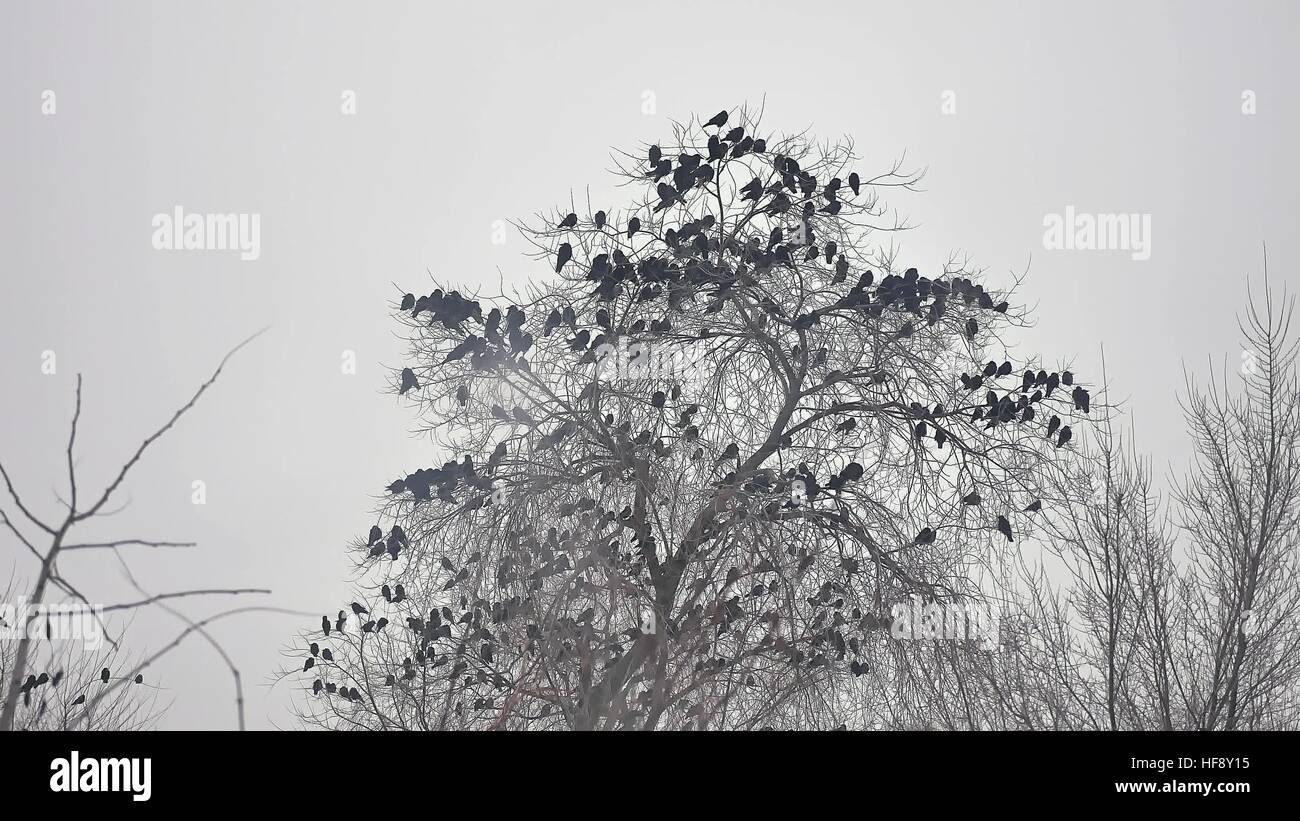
<point>972,498</point>
<point>564,255</point>
<point>325,624</point>
<point>357,609</point>
<point>731,451</point>
<point>1063,436</point>
<point>409,381</point>
<point>719,120</point>
<point>103,675</point>
<point>1034,506</point>
<point>569,221</point>
<point>1004,527</point>
<point>1081,398</point>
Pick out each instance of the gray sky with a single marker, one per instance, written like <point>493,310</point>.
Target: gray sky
<point>472,113</point>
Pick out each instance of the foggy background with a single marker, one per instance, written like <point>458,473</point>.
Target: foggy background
<point>481,112</point>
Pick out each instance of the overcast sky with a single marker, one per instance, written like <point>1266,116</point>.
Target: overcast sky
<point>470,113</point>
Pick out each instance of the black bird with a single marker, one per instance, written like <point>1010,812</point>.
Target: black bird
<point>408,381</point>
<point>719,120</point>
<point>81,699</point>
<point>972,498</point>
<point>854,182</point>
<point>103,675</point>
<point>1052,425</point>
<point>1034,506</point>
<point>317,686</point>
<point>565,254</point>
<point>1063,436</point>
<point>308,664</point>
<point>1080,397</point>
<point>375,534</point>
<point>387,593</point>
<point>462,395</point>
<point>633,225</point>
<point>971,328</point>
<point>315,649</point>
<point>1004,527</point>
<point>339,622</point>
<point>326,654</point>
<point>599,219</point>
<point>568,222</point>
<point>139,679</point>
<point>732,451</point>
<point>408,302</point>
<point>357,609</point>
<point>926,536</point>
<point>325,624</point>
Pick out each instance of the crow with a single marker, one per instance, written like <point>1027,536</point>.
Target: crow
<point>565,254</point>
<point>408,381</point>
<point>719,120</point>
<point>1004,527</point>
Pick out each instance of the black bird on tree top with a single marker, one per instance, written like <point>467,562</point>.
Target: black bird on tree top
<point>726,444</point>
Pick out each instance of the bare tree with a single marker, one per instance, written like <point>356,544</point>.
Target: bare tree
<point>1177,614</point>
<point>58,545</point>
<point>690,475</point>
<point>1240,511</point>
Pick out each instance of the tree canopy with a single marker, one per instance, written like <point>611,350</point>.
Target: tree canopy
<point>683,479</point>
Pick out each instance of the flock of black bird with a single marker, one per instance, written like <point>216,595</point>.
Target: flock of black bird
<point>695,262</point>
<point>33,683</point>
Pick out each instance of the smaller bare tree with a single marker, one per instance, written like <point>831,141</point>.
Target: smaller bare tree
<point>56,533</point>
